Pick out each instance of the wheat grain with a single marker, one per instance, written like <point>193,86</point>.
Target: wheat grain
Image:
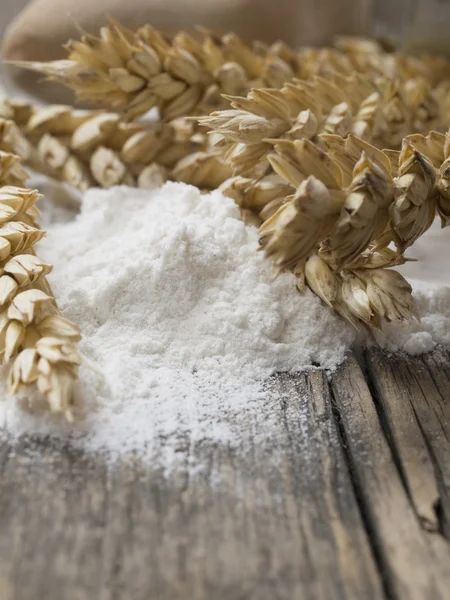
<point>298,226</point>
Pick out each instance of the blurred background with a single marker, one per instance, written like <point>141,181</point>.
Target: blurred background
<point>8,10</point>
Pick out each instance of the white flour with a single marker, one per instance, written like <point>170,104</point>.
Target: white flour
<point>180,316</point>
<point>183,323</point>
<point>430,278</point>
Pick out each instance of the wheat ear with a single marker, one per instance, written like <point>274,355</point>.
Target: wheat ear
<point>37,343</point>
<point>135,71</point>
<point>97,148</point>
<point>349,204</point>
<point>382,113</point>
<point>364,55</point>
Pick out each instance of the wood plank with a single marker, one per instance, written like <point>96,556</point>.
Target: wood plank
<point>438,365</point>
<point>414,569</point>
<point>274,518</point>
<point>434,417</point>
<point>421,385</point>
<point>394,381</point>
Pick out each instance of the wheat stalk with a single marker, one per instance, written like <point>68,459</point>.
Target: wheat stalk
<point>35,340</point>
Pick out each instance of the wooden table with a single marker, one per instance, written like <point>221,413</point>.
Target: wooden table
<point>340,490</point>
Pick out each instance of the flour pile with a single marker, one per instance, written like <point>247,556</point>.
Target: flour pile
<point>183,323</point>
<point>181,318</point>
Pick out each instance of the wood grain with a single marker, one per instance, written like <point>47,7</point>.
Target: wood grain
<point>394,384</point>
<point>414,395</point>
<point>333,491</point>
<point>413,565</point>
<point>274,518</point>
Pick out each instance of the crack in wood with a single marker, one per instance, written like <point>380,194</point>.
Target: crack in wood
<point>416,416</point>
<point>377,553</point>
<point>402,431</point>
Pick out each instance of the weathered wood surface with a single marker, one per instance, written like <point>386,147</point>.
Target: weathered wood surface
<point>338,490</point>
<point>413,566</point>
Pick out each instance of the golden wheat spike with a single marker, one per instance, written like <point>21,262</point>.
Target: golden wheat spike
<point>381,113</point>
<point>37,343</point>
<point>95,148</point>
<point>334,231</point>
<point>134,71</point>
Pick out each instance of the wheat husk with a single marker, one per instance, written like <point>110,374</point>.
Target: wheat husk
<point>297,227</point>
<point>202,169</point>
<point>262,197</point>
<point>414,208</point>
<point>435,148</point>
<point>364,213</point>
<point>372,296</point>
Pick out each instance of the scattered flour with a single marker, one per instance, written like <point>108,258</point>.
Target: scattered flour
<point>183,324</point>
<point>181,318</point>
